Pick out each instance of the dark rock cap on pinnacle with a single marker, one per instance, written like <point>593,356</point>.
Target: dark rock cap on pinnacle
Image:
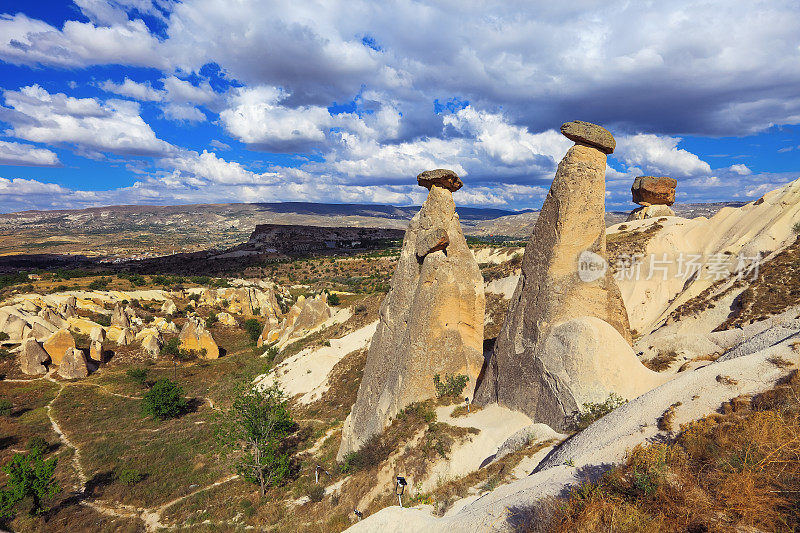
<point>585,132</point>
<point>440,177</point>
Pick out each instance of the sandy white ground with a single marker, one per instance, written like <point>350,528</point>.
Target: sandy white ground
<point>306,373</point>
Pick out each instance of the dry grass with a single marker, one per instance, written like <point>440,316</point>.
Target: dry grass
<point>724,472</point>
<point>665,422</point>
<point>775,290</point>
<point>661,362</point>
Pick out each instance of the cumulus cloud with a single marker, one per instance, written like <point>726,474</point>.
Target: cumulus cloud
<point>482,96</point>
<point>658,155</point>
<point>143,92</point>
<point>90,125</point>
<point>26,41</point>
<point>13,153</point>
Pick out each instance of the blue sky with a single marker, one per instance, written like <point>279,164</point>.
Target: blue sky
<point>107,102</point>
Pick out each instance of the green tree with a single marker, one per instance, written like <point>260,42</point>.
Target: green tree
<point>253,328</point>
<point>29,475</point>
<point>254,430</point>
<point>164,400</point>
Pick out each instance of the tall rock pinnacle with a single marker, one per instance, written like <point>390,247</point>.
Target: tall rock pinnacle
<point>566,311</point>
<point>431,321</point>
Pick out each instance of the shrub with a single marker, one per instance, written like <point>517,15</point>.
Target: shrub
<point>137,375</point>
<point>271,353</point>
<point>211,320</point>
<point>129,476</point>
<point>452,387</point>
<point>29,475</point>
<point>595,411</point>
<point>171,347</point>
<point>99,284</point>
<point>253,328</point>
<point>796,228</point>
<point>333,299</point>
<point>164,400</point>
<point>38,445</point>
<point>371,454</point>
<point>361,309</point>
<point>5,407</point>
<point>4,336</point>
<point>316,493</point>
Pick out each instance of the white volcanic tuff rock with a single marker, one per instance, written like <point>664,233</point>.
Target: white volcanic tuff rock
<point>431,322</point>
<point>651,211</point>
<point>536,367</point>
<point>169,307</point>
<point>73,365</point>
<point>307,372</point>
<point>246,301</point>
<point>306,315</point>
<point>604,443</point>
<point>119,317</point>
<point>226,319</point>
<point>765,225</point>
<point>31,357</point>
<point>195,337</point>
<point>58,345</point>
<point>151,344</point>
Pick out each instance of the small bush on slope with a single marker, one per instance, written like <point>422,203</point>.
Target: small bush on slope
<point>724,473</point>
<point>164,400</point>
<point>595,411</point>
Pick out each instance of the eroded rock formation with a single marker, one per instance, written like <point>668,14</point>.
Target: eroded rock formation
<point>431,321</point>
<point>654,190</point>
<point>655,195</point>
<point>73,365</point>
<point>31,357</point>
<point>565,286</point>
<point>196,338</point>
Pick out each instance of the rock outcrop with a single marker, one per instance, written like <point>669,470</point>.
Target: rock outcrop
<point>73,365</point>
<point>565,285</point>
<point>654,190</point>
<point>651,211</point>
<point>119,317</point>
<point>151,344</point>
<point>431,321</point>
<point>31,357</point>
<point>59,344</point>
<point>305,315</point>
<point>226,319</point>
<point>196,338</point>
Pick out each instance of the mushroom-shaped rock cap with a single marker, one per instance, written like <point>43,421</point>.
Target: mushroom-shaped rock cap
<point>440,177</point>
<point>585,132</point>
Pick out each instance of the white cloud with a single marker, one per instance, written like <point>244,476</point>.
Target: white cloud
<point>13,153</point>
<point>183,113</point>
<point>658,155</point>
<point>143,92</point>
<point>26,41</point>
<point>92,126</point>
<point>256,117</point>
<point>208,166</point>
<point>219,145</point>
<point>740,169</point>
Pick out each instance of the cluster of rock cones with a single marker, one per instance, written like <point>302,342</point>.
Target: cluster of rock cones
<point>566,338</point>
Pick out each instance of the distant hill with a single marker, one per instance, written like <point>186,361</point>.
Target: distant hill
<point>132,231</point>
<point>146,231</point>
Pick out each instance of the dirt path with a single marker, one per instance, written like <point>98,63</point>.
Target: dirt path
<point>150,516</point>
